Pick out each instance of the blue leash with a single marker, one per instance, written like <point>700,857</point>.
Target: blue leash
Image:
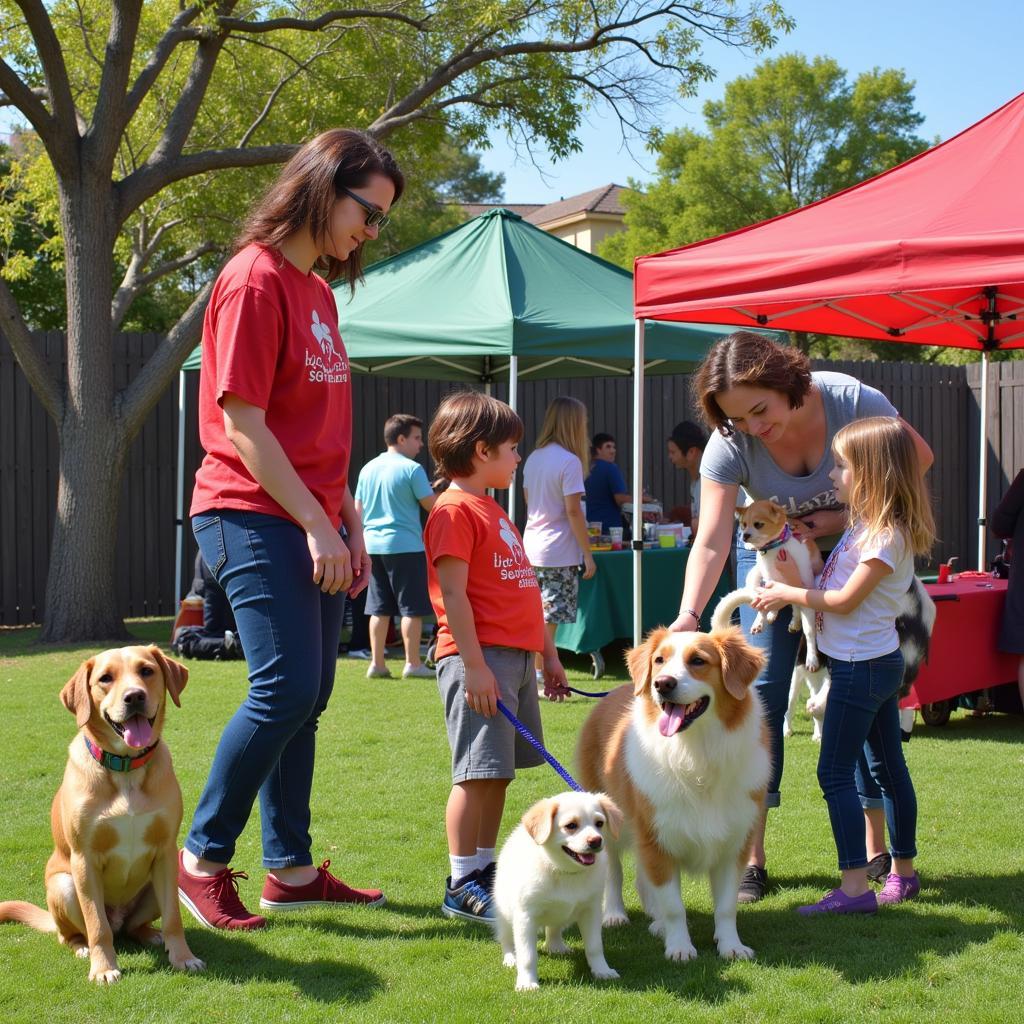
<point>539,747</point>
<point>587,693</point>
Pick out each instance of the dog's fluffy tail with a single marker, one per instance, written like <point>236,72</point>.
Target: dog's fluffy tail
<point>723,613</point>
<point>27,913</point>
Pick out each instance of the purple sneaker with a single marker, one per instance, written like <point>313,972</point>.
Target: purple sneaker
<point>837,902</point>
<point>897,889</point>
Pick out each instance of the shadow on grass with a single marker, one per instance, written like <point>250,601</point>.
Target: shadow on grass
<point>996,726</point>
<point>848,946</point>
<point>236,959</point>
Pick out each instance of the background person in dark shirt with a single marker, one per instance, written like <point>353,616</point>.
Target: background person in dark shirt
<point>605,486</point>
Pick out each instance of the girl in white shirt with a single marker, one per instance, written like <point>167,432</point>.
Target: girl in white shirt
<point>555,538</point>
<point>878,477</point>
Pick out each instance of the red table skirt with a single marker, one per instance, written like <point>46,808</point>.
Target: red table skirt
<point>963,655</point>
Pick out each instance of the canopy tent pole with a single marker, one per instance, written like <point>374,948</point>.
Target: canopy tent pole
<point>638,482</point>
<point>179,521</point>
<point>983,463</point>
<point>513,401</point>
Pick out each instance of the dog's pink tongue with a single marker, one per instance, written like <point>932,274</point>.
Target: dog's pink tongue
<point>671,720</point>
<point>138,733</point>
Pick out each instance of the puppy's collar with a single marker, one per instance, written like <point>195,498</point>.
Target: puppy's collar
<point>117,762</point>
<point>779,541</point>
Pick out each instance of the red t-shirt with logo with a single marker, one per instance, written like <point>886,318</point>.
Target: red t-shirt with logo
<point>501,587</point>
<point>270,336</point>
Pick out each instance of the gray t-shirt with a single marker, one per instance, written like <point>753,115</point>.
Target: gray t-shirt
<point>744,460</point>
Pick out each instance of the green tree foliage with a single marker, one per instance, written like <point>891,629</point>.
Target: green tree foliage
<point>157,117</point>
<point>792,132</point>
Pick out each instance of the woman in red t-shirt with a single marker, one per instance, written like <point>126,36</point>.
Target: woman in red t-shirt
<point>273,513</point>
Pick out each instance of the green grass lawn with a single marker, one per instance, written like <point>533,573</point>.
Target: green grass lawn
<point>379,795</point>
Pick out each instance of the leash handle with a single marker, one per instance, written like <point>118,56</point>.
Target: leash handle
<point>587,693</point>
<point>539,747</point>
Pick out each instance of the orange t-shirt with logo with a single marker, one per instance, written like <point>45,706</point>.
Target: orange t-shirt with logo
<point>501,586</point>
<point>270,336</point>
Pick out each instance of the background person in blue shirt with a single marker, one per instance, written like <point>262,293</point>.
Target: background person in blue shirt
<point>392,489</point>
<point>605,487</point>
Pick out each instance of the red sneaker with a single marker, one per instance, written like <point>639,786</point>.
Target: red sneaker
<point>324,890</point>
<point>213,901</point>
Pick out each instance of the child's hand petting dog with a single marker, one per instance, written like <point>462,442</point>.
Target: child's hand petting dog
<point>772,596</point>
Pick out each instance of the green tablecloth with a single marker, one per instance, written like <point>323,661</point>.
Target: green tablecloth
<point>606,601</point>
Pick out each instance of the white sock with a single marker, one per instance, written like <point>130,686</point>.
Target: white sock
<point>484,857</point>
<point>461,866</point>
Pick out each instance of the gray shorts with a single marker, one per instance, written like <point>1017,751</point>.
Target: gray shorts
<point>559,591</point>
<point>398,585</point>
<point>491,748</point>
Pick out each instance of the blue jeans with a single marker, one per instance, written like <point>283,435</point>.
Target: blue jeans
<point>863,707</point>
<point>779,647</point>
<point>289,631</point>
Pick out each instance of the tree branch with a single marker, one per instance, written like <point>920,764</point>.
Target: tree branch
<point>276,91</point>
<point>31,360</point>
<point>108,118</point>
<point>64,119</point>
<point>149,179</point>
<point>186,109</point>
<point>175,35</point>
<point>135,401</point>
<point>28,101</point>
<point>316,24</point>
<point>135,281</point>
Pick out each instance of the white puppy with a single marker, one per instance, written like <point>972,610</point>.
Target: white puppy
<point>818,685</point>
<point>551,873</point>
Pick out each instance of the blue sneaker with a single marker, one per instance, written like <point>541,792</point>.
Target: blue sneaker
<point>486,878</point>
<point>471,901</point>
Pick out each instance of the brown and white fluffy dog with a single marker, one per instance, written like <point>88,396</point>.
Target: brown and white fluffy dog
<point>116,816</point>
<point>684,753</point>
<point>765,529</point>
<point>551,874</point>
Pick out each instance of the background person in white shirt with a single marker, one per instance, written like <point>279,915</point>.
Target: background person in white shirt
<point>555,538</point>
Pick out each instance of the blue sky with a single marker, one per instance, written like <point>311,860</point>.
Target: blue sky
<point>965,58</point>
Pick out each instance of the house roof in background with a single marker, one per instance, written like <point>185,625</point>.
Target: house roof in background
<point>603,200</point>
<point>606,199</point>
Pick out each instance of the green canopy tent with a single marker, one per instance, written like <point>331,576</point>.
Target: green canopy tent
<point>498,296</point>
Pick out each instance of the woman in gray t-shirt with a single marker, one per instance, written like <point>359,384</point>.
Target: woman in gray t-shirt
<point>772,423</point>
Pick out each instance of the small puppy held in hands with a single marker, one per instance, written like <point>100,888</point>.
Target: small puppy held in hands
<point>765,529</point>
<point>551,873</point>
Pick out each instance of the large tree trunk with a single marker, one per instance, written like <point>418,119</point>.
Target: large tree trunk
<point>81,595</point>
<point>81,598</point>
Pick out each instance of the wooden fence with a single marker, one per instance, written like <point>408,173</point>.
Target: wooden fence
<point>942,402</point>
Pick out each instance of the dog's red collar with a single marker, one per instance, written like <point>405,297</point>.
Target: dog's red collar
<point>117,762</point>
<point>779,541</point>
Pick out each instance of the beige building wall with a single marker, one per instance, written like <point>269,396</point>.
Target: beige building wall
<point>586,232</point>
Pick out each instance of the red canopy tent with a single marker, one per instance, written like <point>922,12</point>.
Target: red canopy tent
<point>928,253</point>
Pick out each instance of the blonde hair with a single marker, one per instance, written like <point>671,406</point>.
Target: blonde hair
<point>887,493</point>
<point>565,423</point>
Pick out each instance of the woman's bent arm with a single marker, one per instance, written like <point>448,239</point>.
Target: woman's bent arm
<point>710,550</point>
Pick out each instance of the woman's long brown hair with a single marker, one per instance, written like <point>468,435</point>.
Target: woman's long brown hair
<point>304,194</point>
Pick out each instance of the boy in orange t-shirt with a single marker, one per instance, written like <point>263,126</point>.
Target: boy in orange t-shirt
<point>490,624</point>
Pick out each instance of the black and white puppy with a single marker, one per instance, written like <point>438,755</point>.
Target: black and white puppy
<point>914,626</point>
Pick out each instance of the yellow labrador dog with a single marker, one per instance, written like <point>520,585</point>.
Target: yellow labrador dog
<point>116,816</point>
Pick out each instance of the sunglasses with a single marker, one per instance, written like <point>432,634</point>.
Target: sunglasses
<point>375,217</point>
